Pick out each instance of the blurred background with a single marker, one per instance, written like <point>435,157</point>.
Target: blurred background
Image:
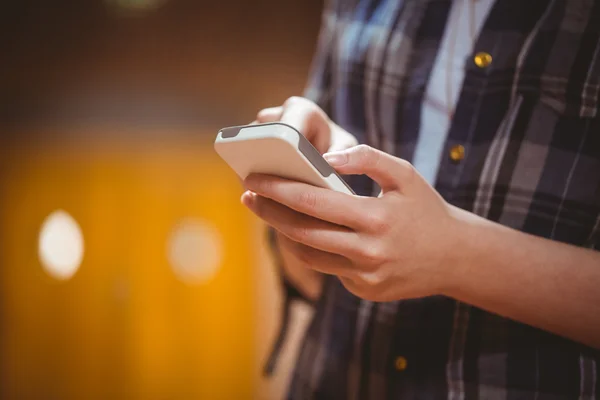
<point>128,267</point>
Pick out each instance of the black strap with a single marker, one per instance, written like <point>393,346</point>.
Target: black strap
<point>290,293</point>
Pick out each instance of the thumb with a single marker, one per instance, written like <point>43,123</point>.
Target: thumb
<point>390,173</point>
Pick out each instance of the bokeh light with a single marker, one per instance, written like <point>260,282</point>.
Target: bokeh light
<point>136,5</point>
<point>61,245</point>
<point>195,251</point>
<point>130,271</point>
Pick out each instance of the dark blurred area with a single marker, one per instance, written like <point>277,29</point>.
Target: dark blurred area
<point>188,62</point>
<point>128,267</point>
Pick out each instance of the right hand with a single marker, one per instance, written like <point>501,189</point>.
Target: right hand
<point>311,121</point>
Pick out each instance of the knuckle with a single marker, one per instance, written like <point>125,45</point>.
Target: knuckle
<point>299,233</point>
<point>366,156</point>
<point>291,101</point>
<point>261,113</point>
<point>366,286</point>
<point>372,255</point>
<point>408,170</point>
<point>379,221</point>
<point>309,199</point>
<point>263,185</point>
<point>363,150</point>
<point>371,279</point>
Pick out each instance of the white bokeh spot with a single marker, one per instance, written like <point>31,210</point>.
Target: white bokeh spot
<point>60,245</point>
<point>194,251</point>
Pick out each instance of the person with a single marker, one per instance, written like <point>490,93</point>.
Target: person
<point>466,267</point>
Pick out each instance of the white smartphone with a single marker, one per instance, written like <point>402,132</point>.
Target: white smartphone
<point>276,149</point>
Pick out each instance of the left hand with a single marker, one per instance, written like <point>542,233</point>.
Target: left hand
<point>396,246</point>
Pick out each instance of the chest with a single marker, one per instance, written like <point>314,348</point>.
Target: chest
<point>385,51</point>
<point>526,115</point>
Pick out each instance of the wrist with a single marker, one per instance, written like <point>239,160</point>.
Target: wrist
<point>460,250</point>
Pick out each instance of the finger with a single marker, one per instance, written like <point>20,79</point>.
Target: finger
<point>308,120</point>
<point>272,114</point>
<point>359,290</point>
<point>324,204</point>
<point>391,173</point>
<point>340,145</point>
<point>318,260</point>
<point>303,228</point>
<point>340,139</point>
<point>350,285</point>
<point>293,115</point>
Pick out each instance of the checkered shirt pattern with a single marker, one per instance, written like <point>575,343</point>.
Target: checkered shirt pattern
<point>530,126</point>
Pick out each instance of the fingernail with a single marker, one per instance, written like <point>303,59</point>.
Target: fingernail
<point>248,198</point>
<point>336,159</point>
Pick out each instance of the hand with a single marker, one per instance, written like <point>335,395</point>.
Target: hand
<point>315,125</point>
<point>312,122</point>
<point>395,246</point>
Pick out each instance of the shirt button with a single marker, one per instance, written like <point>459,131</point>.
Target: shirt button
<point>482,59</point>
<point>400,363</point>
<point>457,153</point>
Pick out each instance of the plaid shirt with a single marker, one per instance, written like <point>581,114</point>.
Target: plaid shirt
<point>530,126</point>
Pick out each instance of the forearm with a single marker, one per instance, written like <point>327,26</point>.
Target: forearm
<point>543,283</point>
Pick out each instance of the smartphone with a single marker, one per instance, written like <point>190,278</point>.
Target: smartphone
<point>276,149</point>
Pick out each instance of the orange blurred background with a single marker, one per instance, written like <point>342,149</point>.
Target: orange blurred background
<point>129,269</point>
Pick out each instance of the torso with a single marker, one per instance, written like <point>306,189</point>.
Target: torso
<point>529,123</point>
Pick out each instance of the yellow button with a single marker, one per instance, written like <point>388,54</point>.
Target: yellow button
<point>457,153</point>
<point>401,363</point>
<point>482,59</point>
